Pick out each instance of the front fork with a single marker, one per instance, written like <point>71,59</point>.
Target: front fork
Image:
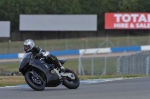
<point>37,76</point>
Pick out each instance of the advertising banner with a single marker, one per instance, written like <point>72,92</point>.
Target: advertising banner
<point>127,20</point>
<point>4,28</point>
<point>58,22</point>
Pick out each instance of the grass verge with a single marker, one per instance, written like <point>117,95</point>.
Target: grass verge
<point>15,80</point>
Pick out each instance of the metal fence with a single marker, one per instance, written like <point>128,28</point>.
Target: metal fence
<point>77,43</point>
<point>134,64</point>
<point>126,63</point>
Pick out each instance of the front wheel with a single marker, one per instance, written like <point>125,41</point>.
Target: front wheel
<point>34,80</point>
<point>71,83</point>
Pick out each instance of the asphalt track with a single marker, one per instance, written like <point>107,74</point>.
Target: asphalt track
<point>138,88</point>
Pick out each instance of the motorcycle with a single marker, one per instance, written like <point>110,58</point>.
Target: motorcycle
<point>38,74</point>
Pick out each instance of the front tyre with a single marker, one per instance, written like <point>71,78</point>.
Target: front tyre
<point>71,83</point>
<point>34,80</point>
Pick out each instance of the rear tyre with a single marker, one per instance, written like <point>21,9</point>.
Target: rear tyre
<point>69,83</point>
<point>34,82</point>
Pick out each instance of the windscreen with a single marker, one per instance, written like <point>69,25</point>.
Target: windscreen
<point>26,58</point>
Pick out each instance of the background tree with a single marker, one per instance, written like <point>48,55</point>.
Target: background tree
<point>11,9</point>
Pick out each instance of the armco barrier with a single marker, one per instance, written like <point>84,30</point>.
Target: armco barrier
<point>20,55</point>
<point>8,56</point>
<point>87,51</point>
<point>122,49</point>
<point>65,52</point>
<point>93,50</point>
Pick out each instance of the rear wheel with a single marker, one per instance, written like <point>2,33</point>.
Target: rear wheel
<point>34,80</point>
<point>71,83</point>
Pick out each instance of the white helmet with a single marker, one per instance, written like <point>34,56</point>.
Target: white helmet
<point>28,45</point>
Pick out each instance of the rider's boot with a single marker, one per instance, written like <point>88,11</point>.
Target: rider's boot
<point>62,68</point>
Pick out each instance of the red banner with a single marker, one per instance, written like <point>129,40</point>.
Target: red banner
<point>127,20</point>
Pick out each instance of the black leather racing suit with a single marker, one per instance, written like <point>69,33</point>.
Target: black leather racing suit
<point>39,53</point>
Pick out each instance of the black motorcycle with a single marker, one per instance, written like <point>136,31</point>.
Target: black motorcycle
<point>38,74</point>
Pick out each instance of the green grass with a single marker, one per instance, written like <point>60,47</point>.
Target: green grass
<point>73,65</point>
<point>76,43</point>
<point>13,66</point>
<point>99,65</point>
<point>9,66</point>
<point>11,80</point>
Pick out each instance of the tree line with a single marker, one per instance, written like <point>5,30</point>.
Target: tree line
<point>11,9</point>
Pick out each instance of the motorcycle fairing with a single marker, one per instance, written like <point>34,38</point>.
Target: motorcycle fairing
<point>51,77</point>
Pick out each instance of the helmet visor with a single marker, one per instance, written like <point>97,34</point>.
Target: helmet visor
<point>26,47</point>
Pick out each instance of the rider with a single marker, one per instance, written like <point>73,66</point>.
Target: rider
<point>29,46</point>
